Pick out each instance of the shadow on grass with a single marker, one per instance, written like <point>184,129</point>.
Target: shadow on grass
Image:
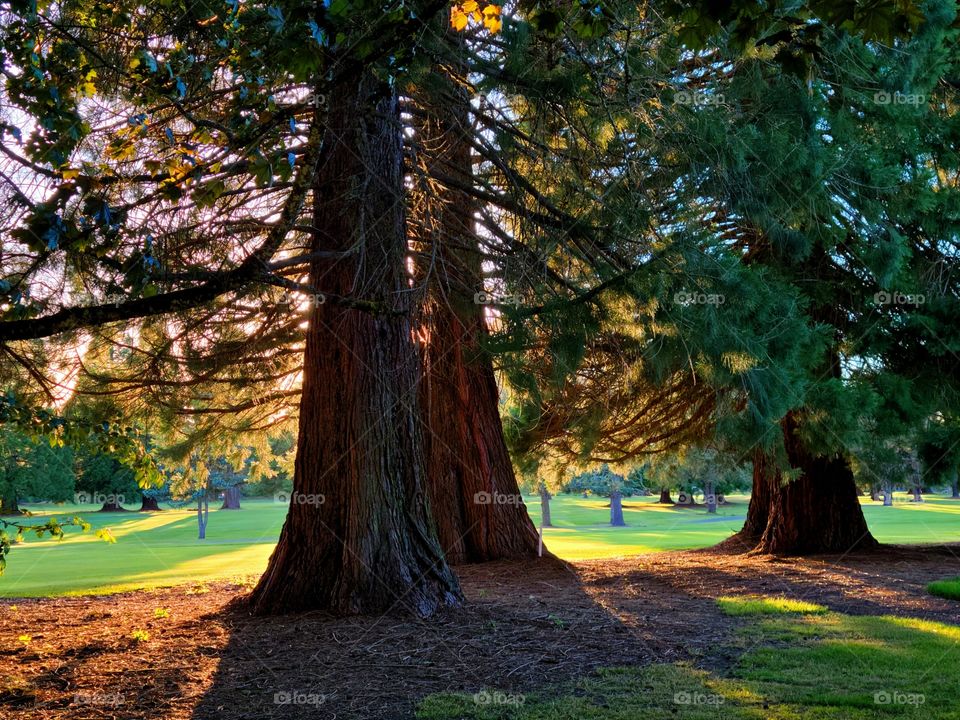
<point>794,666</point>
<point>525,626</point>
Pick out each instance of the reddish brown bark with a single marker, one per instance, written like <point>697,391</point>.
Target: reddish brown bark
<point>473,489</point>
<point>665,498</point>
<point>819,511</point>
<point>359,536</point>
<point>477,505</point>
<point>765,476</point>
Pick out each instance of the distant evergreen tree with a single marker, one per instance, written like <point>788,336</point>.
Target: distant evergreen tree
<point>102,479</point>
<point>33,469</point>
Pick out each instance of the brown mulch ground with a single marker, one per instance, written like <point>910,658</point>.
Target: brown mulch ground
<point>526,626</point>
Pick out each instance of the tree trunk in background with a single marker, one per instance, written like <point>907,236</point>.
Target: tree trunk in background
<point>665,498</point>
<point>9,505</point>
<point>359,536</point>
<point>545,506</point>
<point>467,457</point>
<point>616,509</point>
<point>916,477</point>
<point>203,516</point>
<point>710,497</point>
<point>149,504</point>
<point>817,512</point>
<point>955,486</point>
<point>111,506</point>
<point>765,478</point>
<point>874,493</point>
<point>231,498</point>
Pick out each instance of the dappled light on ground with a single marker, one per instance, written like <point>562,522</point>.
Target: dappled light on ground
<point>703,635</point>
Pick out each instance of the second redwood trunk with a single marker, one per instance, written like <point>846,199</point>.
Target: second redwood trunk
<point>474,492</point>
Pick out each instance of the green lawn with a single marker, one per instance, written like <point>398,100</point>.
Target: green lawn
<point>949,588</point>
<point>583,530</point>
<point>795,663</point>
<point>162,548</point>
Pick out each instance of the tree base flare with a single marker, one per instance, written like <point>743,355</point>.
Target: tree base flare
<point>818,512</point>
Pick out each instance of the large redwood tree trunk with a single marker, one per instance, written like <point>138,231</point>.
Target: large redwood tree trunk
<point>765,477</point>
<point>359,536</point>
<point>819,511</point>
<point>473,489</point>
<point>477,504</point>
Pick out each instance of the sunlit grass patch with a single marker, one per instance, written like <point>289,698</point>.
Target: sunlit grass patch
<point>949,589</point>
<point>759,605</point>
<point>793,665</point>
<point>156,550</point>
<point>656,692</point>
<point>880,666</point>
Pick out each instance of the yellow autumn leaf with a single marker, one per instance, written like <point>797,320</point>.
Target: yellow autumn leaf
<point>457,18</point>
<point>69,173</point>
<point>492,24</point>
<point>491,10</point>
<point>476,15</point>
<point>469,6</point>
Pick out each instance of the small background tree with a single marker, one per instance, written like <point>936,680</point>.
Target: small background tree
<point>705,471</point>
<point>104,480</point>
<point>606,483</point>
<point>33,469</point>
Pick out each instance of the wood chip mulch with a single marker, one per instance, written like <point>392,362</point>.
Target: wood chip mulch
<point>526,626</point>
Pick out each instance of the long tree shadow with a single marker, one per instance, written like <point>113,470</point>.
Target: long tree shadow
<point>891,580</point>
<point>526,626</point>
<point>531,626</point>
<point>190,653</point>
